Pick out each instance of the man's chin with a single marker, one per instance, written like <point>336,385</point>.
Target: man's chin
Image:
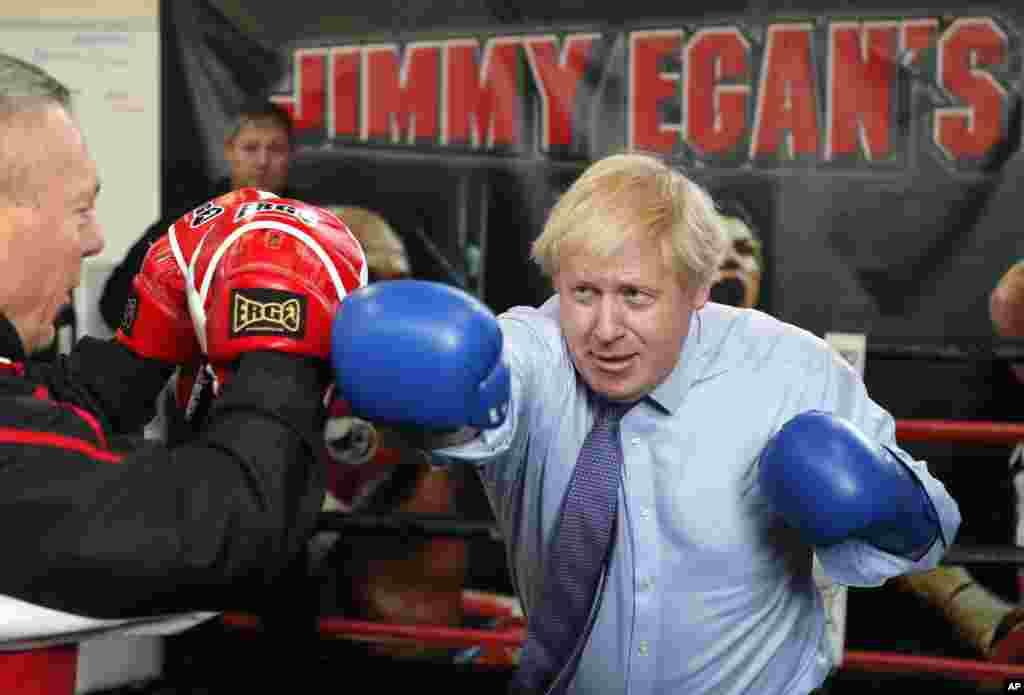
<point>263,185</point>
<point>48,334</point>
<point>615,388</point>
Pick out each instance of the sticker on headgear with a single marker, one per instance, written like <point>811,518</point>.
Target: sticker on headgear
<point>263,311</point>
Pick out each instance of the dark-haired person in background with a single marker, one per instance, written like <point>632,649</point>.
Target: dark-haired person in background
<point>258,152</point>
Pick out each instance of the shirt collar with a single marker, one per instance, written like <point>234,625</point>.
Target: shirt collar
<point>669,394</point>
<point>706,354</point>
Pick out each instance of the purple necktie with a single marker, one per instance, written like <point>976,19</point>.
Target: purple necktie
<point>575,558</point>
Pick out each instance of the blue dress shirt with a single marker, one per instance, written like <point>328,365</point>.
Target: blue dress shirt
<point>707,591</point>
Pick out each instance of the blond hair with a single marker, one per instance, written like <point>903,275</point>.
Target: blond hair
<point>386,256</point>
<point>628,194</point>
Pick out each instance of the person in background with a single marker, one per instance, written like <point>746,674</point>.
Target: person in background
<point>258,153</point>
<point>989,624</point>
<point>983,620</point>
<point>108,534</point>
<point>1006,308</point>
<point>395,579</point>
<point>741,271</point>
<point>662,467</point>
<point>386,255</point>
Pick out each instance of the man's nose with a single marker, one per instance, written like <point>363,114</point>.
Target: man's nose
<point>609,319</point>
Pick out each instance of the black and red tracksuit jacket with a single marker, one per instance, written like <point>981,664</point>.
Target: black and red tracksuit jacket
<point>100,523</point>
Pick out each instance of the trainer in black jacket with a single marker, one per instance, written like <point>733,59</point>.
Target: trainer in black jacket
<point>110,527</point>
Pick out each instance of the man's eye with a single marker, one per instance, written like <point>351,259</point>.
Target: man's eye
<point>744,247</point>
<point>637,297</point>
<point>582,293</point>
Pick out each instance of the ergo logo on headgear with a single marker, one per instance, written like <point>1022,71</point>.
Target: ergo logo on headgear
<point>264,311</point>
<point>248,210</point>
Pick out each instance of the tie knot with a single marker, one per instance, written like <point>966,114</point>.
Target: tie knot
<point>611,411</point>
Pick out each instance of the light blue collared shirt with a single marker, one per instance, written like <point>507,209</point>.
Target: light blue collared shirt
<point>707,592</point>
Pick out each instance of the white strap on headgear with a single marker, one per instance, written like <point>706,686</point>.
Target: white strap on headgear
<point>172,237</point>
<point>197,297</point>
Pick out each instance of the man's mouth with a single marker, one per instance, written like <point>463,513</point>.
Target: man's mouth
<point>613,363</point>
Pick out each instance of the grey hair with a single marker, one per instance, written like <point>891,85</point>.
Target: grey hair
<point>26,91</point>
<point>24,86</point>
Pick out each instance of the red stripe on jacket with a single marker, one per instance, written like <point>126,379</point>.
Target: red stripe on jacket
<point>58,441</point>
<point>43,394</point>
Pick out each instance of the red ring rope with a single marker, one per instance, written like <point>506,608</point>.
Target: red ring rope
<point>965,669</point>
<point>981,432</point>
<point>448,637</point>
<point>512,635</point>
<point>435,635</point>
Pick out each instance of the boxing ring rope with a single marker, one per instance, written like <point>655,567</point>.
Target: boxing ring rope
<point>959,431</point>
<point>511,636</point>
<point>510,629</point>
<point>964,351</point>
<point>908,664</point>
<point>431,526</point>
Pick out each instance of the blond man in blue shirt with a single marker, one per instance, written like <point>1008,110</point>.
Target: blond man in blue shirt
<point>750,443</point>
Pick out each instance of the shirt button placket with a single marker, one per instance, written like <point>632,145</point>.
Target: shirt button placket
<point>642,495</point>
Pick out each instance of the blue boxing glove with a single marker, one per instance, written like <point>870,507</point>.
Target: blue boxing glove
<point>425,354</point>
<point>826,479</point>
